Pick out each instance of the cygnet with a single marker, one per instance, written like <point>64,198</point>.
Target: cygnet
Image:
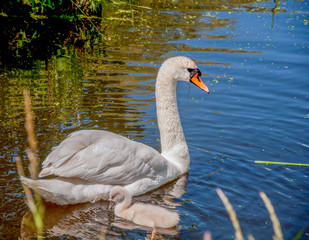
<point>143,214</point>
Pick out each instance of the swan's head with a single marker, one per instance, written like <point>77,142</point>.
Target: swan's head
<point>117,194</point>
<point>183,69</point>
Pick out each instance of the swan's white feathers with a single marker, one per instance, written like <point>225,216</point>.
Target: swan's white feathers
<point>91,162</point>
<point>153,216</point>
<point>108,156</point>
<point>142,214</point>
<point>179,62</point>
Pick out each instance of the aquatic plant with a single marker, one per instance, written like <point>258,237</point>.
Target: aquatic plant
<point>238,233</point>
<point>232,214</point>
<point>33,201</point>
<point>273,217</point>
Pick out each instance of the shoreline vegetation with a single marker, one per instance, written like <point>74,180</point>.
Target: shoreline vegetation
<point>41,29</point>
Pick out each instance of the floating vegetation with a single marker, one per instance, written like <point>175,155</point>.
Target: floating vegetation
<point>284,163</point>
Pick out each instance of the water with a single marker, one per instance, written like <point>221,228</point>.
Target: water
<point>256,65</point>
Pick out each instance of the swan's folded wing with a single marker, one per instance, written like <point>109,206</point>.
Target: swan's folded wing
<point>104,157</point>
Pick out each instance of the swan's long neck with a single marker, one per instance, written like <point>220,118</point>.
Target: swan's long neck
<point>173,143</point>
<point>124,204</point>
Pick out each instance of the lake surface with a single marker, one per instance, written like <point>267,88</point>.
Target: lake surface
<point>254,57</point>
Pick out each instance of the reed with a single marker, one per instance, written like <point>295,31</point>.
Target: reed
<point>284,163</point>
<point>273,217</point>
<point>229,208</point>
<point>278,235</point>
<point>33,200</point>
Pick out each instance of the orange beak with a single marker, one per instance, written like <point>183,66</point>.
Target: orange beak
<point>196,80</point>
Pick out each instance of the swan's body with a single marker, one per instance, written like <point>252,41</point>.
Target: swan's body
<point>142,214</point>
<point>90,162</point>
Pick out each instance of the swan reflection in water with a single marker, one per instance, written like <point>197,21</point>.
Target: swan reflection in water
<point>98,221</point>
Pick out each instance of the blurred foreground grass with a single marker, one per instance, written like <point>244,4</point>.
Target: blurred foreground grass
<point>33,200</point>
<point>238,233</point>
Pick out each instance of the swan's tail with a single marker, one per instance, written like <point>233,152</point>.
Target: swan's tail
<point>63,191</point>
<point>28,182</point>
<point>35,185</point>
<point>42,187</point>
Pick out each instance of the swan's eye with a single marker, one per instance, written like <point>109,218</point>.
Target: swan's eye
<point>194,71</point>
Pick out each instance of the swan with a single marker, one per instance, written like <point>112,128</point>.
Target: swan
<point>142,214</point>
<point>88,163</point>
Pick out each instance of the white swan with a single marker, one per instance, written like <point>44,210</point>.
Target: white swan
<point>142,214</point>
<point>90,162</point>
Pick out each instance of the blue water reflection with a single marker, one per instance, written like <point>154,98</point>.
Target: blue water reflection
<point>257,110</point>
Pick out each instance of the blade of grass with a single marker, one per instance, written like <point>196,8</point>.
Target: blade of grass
<point>232,214</point>
<point>283,163</point>
<point>301,232</point>
<point>30,200</point>
<point>35,203</point>
<point>273,217</point>
<point>250,237</point>
<point>29,125</point>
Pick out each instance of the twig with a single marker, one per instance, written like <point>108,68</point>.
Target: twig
<point>232,214</point>
<point>273,217</point>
